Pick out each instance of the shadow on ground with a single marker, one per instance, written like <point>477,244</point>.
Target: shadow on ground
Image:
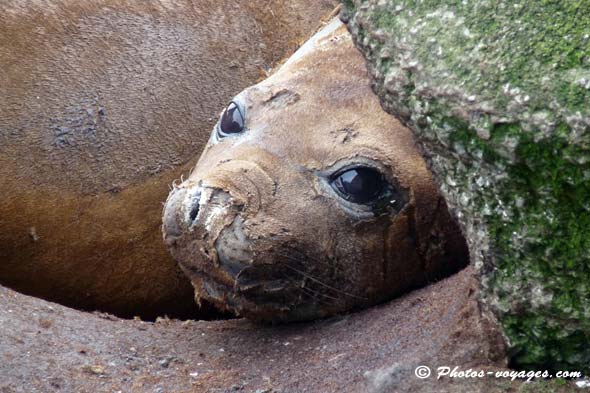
<point>47,347</point>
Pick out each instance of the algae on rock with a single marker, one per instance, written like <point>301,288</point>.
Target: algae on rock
<point>498,95</point>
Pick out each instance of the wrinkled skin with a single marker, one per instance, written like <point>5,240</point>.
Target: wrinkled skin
<point>102,104</point>
<point>260,229</point>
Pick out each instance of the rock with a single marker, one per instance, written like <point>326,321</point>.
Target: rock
<point>375,350</point>
<point>497,93</point>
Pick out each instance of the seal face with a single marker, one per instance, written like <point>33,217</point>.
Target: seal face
<point>309,199</point>
<point>103,103</point>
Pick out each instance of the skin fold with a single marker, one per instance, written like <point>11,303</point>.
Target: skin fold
<point>103,103</point>
<point>260,227</point>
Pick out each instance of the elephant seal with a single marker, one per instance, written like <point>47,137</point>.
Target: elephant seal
<point>309,199</point>
<point>103,103</point>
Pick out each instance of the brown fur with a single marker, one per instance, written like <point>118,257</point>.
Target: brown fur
<point>307,254</point>
<point>102,104</point>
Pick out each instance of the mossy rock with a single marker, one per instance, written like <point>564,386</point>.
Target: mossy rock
<point>498,95</point>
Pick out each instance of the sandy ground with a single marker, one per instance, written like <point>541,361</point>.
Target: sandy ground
<point>45,347</point>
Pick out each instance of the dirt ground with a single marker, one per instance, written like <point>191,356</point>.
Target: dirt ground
<point>45,347</point>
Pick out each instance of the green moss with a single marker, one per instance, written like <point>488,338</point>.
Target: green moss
<point>466,137</point>
<point>349,6</point>
<point>554,219</point>
<point>498,93</point>
<point>557,385</point>
<point>522,52</point>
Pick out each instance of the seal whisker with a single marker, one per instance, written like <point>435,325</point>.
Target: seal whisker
<point>313,291</point>
<point>304,257</point>
<point>316,280</point>
<point>314,294</point>
<point>309,223</point>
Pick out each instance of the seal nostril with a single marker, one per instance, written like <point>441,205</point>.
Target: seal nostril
<point>194,212</point>
<point>194,204</point>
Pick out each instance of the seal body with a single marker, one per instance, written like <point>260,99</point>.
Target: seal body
<point>102,104</point>
<point>309,199</point>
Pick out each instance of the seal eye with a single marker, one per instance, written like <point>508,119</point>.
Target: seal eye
<point>359,185</point>
<point>232,120</point>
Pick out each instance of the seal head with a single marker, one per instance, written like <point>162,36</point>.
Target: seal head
<point>309,199</point>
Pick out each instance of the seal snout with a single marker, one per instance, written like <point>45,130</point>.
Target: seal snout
<point>193,205</point>
<point>172,227</point>
<point>194,211</point>
<point>181,212</point>
<point>206,217</point>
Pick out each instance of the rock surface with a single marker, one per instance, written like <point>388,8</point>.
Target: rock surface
<point>497,93</point>
<point>45,347</point>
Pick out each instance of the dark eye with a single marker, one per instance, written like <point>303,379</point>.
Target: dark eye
<point>359,185</point>
<point>232,120</point>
